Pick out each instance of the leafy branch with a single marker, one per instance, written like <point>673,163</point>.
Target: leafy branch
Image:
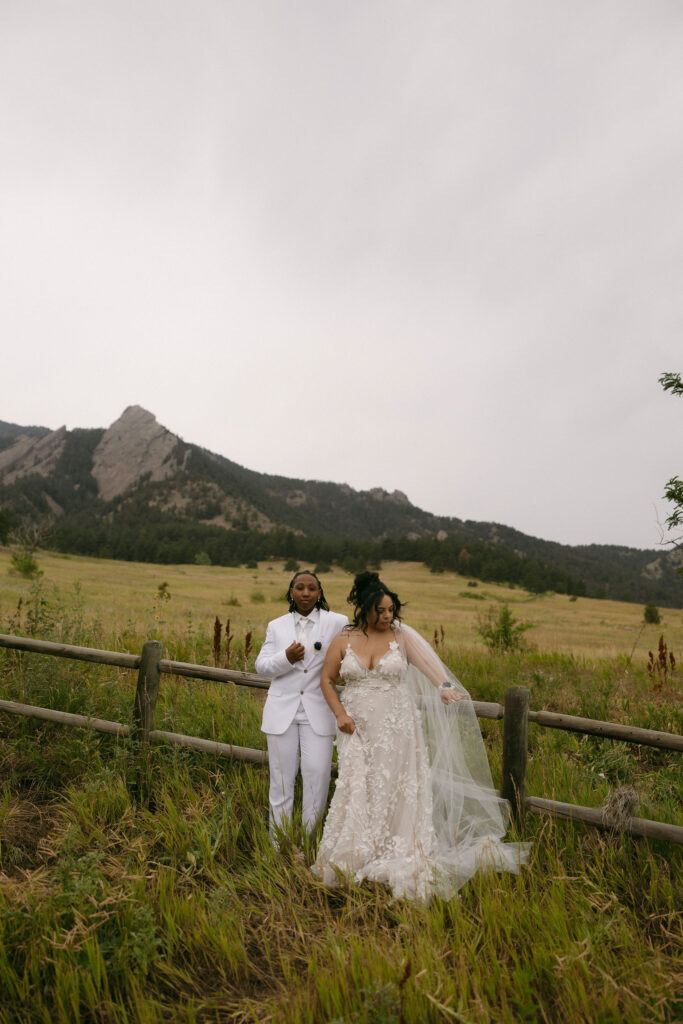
<point>673,490</point>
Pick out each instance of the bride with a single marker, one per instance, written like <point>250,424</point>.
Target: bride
<point>414,806</point>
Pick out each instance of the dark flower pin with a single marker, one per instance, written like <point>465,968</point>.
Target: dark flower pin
<point>318,646</point>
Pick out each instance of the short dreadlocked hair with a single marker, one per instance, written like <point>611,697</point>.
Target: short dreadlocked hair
<point>320,603</point>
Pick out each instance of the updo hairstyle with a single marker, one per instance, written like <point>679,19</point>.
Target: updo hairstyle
<point>366,593</point>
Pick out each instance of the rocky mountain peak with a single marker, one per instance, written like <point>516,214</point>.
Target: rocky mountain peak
<point>395,497</point>
<point>134,445</point>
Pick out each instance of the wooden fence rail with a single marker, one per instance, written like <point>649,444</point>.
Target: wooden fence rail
<point>119,660</point>
<point>515,715</point>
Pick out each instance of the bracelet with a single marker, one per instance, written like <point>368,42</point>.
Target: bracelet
<point>446,685</point>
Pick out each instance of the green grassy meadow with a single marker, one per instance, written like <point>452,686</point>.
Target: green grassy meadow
<point>177,908</point>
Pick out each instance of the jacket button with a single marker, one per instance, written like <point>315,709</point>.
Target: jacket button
<point>305,671</point>
<point>301,691</point>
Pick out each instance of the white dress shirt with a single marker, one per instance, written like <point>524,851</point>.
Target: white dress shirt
<point>305,625</point>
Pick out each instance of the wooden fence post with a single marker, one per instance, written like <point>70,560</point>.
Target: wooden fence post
<point>143,721</point>
<point>147,690</point>
<point>515,735</point>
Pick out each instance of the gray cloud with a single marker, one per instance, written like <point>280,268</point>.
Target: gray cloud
<point>433,247</point>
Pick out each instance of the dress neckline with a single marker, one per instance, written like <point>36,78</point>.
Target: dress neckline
<point>393,646</point>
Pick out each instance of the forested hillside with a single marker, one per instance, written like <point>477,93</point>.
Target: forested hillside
<point>135,491</point>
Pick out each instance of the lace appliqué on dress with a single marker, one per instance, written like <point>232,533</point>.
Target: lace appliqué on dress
<point>389,794</point>
<point>379,825</point>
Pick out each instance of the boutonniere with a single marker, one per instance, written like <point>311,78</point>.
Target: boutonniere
<point>318,645</point>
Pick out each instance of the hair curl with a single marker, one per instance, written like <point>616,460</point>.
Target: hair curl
<point>320,603</point>
<point>367,592</point>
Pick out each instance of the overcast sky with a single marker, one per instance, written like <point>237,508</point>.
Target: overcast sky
<point>432,246</point>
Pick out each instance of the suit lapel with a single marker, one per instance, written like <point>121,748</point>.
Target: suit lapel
<point>322,634</point>
<point>318,634</point>
<point>315,635</point>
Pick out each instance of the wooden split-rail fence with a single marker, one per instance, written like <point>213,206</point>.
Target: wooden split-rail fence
<point>515,715</point>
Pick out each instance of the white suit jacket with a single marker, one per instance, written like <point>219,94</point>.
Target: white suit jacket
<point>301,681</point>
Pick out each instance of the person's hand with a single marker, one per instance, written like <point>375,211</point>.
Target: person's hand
<point>295,652</point>
<point>346,724</point>
<point>449,695</point>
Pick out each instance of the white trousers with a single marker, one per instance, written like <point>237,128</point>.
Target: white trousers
<point>316,761</point>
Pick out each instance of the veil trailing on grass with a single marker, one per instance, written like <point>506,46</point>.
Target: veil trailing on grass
<point>469,817</point>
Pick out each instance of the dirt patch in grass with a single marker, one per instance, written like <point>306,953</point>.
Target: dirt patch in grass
<point>24,824</point>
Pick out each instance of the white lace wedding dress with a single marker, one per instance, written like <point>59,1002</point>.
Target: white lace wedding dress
<point>409,810</point>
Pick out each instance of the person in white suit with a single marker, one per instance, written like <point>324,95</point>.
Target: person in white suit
<point>296,718</point>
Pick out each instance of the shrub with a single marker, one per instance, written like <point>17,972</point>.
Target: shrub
<point>502,633</point>
<point>257,597</point>
<point>291,565</point>
<point>202,558</point>
<point>651,613</point>
<point>27,540</point>
<point>25,564</point>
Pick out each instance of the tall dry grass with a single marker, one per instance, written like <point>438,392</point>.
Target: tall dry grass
<point>115,911</point>
<point>125,595</point>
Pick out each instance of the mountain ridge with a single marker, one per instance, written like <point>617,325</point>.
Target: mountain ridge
<point>95,484</point>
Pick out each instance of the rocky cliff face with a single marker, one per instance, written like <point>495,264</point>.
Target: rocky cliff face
<point>133,446</point>
<point>30,455</point>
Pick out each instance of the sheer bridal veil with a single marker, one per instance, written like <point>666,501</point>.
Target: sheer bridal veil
<point>469,817</point>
